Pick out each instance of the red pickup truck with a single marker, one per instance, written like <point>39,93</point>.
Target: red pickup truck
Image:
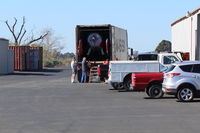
<point>151,83</point>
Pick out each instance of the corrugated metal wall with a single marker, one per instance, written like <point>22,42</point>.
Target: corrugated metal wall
<point>184,36</point>
<point>10,66</point>
<point>21,57</point>
<point>36,58</point>
<point>3,56</point>
<point>27,58</point>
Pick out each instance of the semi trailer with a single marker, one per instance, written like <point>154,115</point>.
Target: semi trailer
<point>100,43</point>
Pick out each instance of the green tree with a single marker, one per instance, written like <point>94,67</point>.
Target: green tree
<point>164,46</point>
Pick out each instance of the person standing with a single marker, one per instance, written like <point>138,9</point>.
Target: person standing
<point>74,69</point>
<point>84,70</point>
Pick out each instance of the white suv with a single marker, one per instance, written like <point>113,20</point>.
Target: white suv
<point>182,79</point>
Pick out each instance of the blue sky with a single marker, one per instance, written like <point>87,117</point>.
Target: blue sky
<point>147,21</point>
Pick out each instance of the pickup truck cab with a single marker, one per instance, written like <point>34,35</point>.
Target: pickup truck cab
<point>120,71</point>
<point>163,58</point>
<point>151,83</point>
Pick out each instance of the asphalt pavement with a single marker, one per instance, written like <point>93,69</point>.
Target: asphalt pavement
<point>46,102</point>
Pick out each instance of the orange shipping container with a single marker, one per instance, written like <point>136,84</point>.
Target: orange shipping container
<point>22,58</point>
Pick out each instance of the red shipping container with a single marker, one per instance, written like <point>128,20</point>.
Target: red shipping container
<point>22,59</point>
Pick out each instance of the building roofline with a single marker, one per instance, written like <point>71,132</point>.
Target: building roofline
<point>185,17</point>
<point>3,39</point>
<point>100,25</point>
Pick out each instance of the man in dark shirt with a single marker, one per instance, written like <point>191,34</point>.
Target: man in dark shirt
<point>84,70</point>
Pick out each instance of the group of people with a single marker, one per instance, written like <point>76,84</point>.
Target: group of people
<point>75,68</point>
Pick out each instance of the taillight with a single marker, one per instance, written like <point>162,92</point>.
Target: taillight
<point>171,75</point>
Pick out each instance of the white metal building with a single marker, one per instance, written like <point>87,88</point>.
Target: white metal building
<point>186,34</point>
<point>6,57</point>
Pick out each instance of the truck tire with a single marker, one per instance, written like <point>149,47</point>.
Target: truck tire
<point>117,86</point>
<point>155,91</point>
<point>185,93</point>
<point>127,84</point>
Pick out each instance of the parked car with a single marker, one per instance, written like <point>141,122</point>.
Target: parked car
<point>183,80</point>
<point>150,82</point>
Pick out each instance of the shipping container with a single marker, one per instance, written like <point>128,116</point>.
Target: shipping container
<point>3,55</point>
<point>36,58</point>
<point>21,57</point>
<point>25,58</point>
<point>10,66</point>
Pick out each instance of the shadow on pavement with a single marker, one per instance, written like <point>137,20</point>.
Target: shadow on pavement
<point>53,70</point>
<point>130,91</point>
<point>112,89</point>
<point>44,72</point>
<point>193,101</point>
<point>30,74</point>
<point>160,98</point>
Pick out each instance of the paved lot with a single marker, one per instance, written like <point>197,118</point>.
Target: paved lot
<point>46,102</point>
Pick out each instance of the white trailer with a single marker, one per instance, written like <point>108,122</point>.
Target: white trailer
<point>99,43</point>
<point>111,42</point>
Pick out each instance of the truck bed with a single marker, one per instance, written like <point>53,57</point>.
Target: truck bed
<point>140,81</point>
<point>119,69</point>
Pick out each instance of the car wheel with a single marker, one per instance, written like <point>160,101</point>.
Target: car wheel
<point>117,86</point>
<point>185,94</point>
<point>127,84</point>
<point>155,91</point>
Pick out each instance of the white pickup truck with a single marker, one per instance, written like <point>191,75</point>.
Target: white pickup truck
<point>120,71</point>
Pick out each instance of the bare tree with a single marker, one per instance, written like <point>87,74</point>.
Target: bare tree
<point>51,44</point>
<point>19,36</point>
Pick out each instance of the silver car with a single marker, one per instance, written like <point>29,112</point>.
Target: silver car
<point>182,79</point>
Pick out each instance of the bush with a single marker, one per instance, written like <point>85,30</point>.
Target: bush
<point>51,62</point>
<point>55,62</point>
